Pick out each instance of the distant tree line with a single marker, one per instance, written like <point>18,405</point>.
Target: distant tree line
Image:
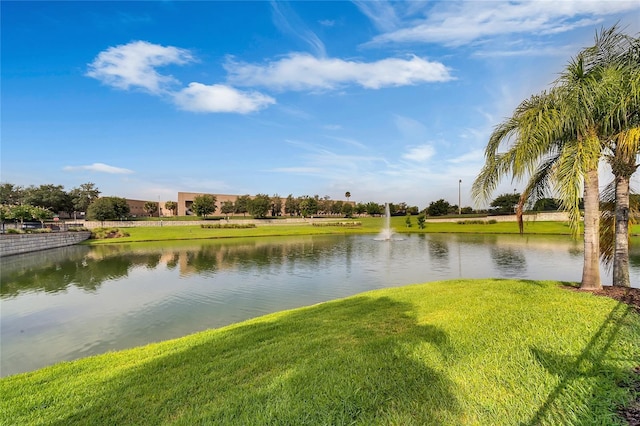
<point>43,202</point>
<point>51,197</point>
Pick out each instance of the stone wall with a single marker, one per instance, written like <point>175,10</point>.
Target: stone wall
<point>536,217</point>
<point>258,222</point>
<point>11,244</point>
<point>540,217</point>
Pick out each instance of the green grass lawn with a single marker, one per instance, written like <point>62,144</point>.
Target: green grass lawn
<point>467,352</point>
<point>367,226</point>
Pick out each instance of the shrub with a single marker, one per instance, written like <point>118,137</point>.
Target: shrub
<point>104,233</point>
<point>77,229</point>
<point>40,231</point>
<point>477,222</point>
<point>229,226</point>
<point>347,223</point>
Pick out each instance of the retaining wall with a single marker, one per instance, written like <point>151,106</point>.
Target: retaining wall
<point>541,217</point>
<point>11,244</point>
<point>258,222</point>
<point>537,217</point>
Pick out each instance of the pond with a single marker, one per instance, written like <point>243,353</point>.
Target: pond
<point>78,301</point>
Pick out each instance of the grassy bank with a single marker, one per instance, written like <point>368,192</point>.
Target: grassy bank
<point>366,226</point>
<point>447,353</point>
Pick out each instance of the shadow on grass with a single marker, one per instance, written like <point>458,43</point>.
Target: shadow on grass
<point>585,387</point>
<point>343,362</point>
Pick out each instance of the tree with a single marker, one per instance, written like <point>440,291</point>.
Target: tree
<point>21,212</point>
<point>421,221</point>
<point>558,139</point>
<point>204,205</point>
<point>259,206</point>
<point>347,195</point>
<point>308,206</point>
<point>5,214</point>
<point>108,208</point>
<point>291,205</point>
<point>347,209</point>
<point>172,206</point>
<point>11,194</point>
<point>150,208</point>
<point>325,205</point>
<point>616,59</point>
<point>545,144</point>
<point>374,209</point>
<point>546,204</point>
<point>227,208</point>
<point>242,204</point>
<point>360,208</point>
<point>120,207</point>
<point>276,205</point>
<point>83,196</point>
<point>505,203</point>
<point>438,208</point>
<point>407,221</point>
<point>41,214</point>
<point>52,197</point>
<point>400,209</point>
<point>336,207</point>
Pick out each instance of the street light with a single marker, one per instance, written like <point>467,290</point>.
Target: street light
<point>459,202</point>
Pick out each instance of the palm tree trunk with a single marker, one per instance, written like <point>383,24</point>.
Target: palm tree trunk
<point>621,254</point>
<point>591,267</point>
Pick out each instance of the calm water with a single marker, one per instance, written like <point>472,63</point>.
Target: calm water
<point>77,301</point>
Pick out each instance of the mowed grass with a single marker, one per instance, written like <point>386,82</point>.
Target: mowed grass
<point>367,226</point>
<point>466,352</point>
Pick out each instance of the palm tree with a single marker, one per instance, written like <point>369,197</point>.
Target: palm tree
<point>555,142</point>
<point>543,147</point>
<point>618,58</point>
<point>347,195</point>
<point>557,139</point>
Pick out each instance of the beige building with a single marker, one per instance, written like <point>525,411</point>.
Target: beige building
<point>185,200</point>
<point>136,209</point>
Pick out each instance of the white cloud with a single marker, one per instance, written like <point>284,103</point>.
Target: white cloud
<point>327,22</point>
<point>411,129</point>
<point>286,20</point>
<point>459,22</point>
<point>300,170</point>
<point>99,167</point>
<point>348,142</point>
<point>382,14</point>
<point>420,153</point>
<point>475,156</point>
<point>220,98</point>
<point>332,126</point>
<point>134,65</point>
<point>301,71</point>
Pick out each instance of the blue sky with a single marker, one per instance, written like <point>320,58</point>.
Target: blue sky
<point>391,101</point>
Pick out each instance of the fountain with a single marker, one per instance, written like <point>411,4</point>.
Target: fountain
<point>387,233</point>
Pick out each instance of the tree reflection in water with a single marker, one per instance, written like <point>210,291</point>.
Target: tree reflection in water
<point>78,301</point>
<point>509,261</point>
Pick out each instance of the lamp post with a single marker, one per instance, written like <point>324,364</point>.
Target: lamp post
<point>459,202</point>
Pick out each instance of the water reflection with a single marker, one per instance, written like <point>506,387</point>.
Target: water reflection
<point>510,261</point>
<point>438,249</point>
<point>77,301</point>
